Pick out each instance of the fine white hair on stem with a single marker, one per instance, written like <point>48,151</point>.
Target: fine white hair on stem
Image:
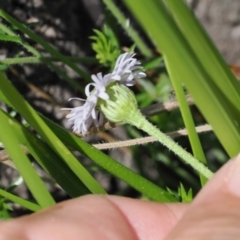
<point>127,68</point>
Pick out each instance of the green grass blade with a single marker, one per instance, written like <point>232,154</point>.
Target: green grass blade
<point>22,202</point>
<point>32,180</point>
<point>131,32</point>
<point>10,38</point>
<point>16,100</point>
<point>49,160</point>
<point>212,102</point>
<point>187,117</point>
<point>154,63</point>
<point>115,168</point>
<point>210,58</point>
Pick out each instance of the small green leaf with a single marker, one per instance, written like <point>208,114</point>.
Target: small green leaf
<point>185,196</point>
<point>106,46</point>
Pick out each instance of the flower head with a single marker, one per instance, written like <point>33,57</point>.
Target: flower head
<point>83,117</point>
<point>127,68</point>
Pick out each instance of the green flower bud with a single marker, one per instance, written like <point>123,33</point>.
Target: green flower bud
<point>121,105</point>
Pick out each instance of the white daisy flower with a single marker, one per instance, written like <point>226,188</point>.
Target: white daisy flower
<point>86,116</point>
<point>126,70</point>
<point>81,117</point>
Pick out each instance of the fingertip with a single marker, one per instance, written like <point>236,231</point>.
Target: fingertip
<point>232,179</point>
<point>216,209</point>
<point>150,220</point>
<point>225,182</point>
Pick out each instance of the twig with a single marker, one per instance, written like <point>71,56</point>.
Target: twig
<point>138,141</point>
<point>119,144</point>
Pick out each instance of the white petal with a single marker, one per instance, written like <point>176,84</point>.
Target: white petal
<point>87,88</point>
<point>97,79</point>
<point>93,114</point>
<point>116,77</point>
<point>80,99</point>
<point>103,95</point>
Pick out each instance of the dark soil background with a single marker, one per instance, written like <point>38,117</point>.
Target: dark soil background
<point>67,25</point>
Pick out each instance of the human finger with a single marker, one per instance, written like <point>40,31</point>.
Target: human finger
<point>215,212</point>
<point>96,217</point>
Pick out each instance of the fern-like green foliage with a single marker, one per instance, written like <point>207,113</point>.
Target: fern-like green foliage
<point>106,46</point>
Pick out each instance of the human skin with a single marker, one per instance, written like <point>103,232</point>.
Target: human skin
<point>214,214</point>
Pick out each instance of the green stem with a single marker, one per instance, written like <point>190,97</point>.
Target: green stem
<point>33,60</point>
<point>138,120</point>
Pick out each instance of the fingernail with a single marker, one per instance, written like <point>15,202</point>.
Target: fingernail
<point>233,177</point>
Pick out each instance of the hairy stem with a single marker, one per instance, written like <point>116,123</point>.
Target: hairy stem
<point>138,120</point>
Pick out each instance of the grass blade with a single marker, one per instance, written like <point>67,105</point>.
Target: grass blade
<point>22,202</point>
<point>187,117</point>
<point>212,102</point>
<point>131,32</point>
<point>32,180</point>
<point>210,58</point>
<point>49,160</point>
<point>16,100</point>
